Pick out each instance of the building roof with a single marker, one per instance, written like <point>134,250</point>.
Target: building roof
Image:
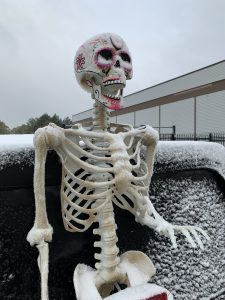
<point>199,82</point>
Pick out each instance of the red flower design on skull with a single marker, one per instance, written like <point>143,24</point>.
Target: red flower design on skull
<point>80,61</point>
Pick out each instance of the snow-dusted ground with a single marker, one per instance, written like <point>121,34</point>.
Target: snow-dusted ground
<point>170,155</point>
<point>15,141</point>
<point>16,149</point>
<point>174,155</point>
<point>186,271</point>
<point>190,273</point>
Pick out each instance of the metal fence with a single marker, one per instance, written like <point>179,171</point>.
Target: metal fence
<point>208,137</point>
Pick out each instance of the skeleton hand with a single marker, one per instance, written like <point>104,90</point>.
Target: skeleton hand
<point>37,235</point>
<point>190,232</point>
<point>155,221</point>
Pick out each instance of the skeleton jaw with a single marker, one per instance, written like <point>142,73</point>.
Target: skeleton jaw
<point>110,93</point>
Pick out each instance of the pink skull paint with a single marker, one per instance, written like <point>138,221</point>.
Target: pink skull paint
<point>102,66</point>
<point>80,61</point>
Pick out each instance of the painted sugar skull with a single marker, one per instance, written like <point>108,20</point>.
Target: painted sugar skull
<point>102,66</point>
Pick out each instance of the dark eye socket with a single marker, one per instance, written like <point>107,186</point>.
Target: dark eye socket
<point>106,54</point>
<point>125,57</point>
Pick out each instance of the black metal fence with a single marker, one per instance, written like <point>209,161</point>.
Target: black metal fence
<point>217,137</point>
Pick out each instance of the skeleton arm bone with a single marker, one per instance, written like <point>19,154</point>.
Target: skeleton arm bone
<point>150,140</point>
<point>145,212</point>
<point>42,230</point>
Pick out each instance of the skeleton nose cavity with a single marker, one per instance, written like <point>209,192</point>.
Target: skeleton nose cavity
<point>117,64</point>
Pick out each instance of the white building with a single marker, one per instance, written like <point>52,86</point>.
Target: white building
<point>194,103</point>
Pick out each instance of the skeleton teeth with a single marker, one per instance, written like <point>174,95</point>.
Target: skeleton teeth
<point>118,93</point>
<point>112,96</point>
<point>112,82</point>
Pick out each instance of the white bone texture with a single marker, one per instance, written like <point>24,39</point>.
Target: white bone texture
<point>101,167</point>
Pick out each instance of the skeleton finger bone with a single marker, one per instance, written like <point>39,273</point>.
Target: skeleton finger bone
<point>198,240</point>
<point>186,230</point>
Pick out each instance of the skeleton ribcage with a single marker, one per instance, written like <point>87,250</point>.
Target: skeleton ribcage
<point>88,181</point>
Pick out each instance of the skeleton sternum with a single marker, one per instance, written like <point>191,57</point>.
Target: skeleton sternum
<point>121,164</point>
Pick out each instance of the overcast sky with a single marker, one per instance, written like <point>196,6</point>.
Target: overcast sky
<point>38,40</point>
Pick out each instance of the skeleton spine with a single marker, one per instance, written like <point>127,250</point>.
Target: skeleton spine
<point>108,259</point>
<point>100,117</point>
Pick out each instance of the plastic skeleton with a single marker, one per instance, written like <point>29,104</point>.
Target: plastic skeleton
<point>101,166</point>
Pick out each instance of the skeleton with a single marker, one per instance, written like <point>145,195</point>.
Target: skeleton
<point>101,166</point>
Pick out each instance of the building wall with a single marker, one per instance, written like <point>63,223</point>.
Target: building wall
<point>126,119</point>
<point>180,114</point>
<point>148,116</point>
<point>198,115</point>
<point>195,79</point>
<point>207,116</point>
<point>211,113</point>
<point>113,119</point>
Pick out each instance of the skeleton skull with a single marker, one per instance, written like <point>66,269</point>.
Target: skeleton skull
<point>102,65</point>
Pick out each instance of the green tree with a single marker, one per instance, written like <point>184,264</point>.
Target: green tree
<point>21,129</point>
<point>4,129</point>
<point>34,123</point>
<point>67,121</point>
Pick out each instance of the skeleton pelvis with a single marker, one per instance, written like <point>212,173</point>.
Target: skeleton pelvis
<point>138,267</point>
<point>134,269</point>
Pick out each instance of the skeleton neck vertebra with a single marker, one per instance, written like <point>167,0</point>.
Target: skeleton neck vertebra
<point>101,119</point>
